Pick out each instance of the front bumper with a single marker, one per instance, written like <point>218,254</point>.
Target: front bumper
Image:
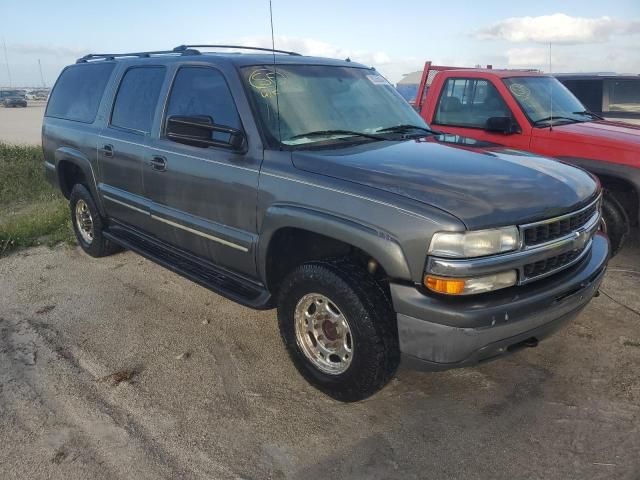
<point>437,333</point>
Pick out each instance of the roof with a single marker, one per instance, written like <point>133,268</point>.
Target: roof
<point>231,55</point>
<point>597,76</point>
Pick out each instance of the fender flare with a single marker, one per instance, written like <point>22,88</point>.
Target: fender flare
<point>624,173</point>
<point>74,156</point>
<point>380,245</point>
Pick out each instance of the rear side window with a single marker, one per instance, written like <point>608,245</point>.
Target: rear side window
<point>468,102</point>
<point>78,92</point>
<point>137,98</point>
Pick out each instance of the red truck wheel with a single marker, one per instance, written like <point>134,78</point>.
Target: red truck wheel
<point>615,222</point>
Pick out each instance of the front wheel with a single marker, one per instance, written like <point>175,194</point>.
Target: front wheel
<point>615,222</point>
<point>339,329</point>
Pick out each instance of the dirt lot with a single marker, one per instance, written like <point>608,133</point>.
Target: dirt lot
<point>21,126</point>
<point>213,395</point>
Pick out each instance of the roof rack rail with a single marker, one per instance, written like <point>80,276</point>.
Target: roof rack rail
<point>113,56</point>
<point>180,50</point>
<point>183,48</point>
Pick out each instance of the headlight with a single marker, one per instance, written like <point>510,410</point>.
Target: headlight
<point>474,244</point>
<point>469,286</point>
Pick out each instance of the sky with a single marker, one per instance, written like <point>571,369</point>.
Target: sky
<point>395,37</point>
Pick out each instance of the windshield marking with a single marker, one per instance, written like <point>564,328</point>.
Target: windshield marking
<point>264,80</point>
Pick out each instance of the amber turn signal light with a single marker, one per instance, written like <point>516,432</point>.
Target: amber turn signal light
<point>449,286</point>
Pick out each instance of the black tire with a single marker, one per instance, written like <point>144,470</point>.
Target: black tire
<point>98,246</point>
<point>615,222</point>
<point>370,317</point>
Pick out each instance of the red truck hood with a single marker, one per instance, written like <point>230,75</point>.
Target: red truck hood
<point>614,135</point>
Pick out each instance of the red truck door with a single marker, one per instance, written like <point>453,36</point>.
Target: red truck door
<point>465,104</point>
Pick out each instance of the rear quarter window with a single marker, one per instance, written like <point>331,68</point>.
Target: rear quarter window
<point>78,91</point>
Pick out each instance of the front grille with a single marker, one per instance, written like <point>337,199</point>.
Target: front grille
<point>542,267</point>
<point>545,231</point>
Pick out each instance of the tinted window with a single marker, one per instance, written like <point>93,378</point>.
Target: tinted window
<point>137,98</point>
<point>203,92</point>
<point>469,103</point>
<point>78,91</point>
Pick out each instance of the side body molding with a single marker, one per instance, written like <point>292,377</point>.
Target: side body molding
<point>72,155</point>
<point>380,245</point>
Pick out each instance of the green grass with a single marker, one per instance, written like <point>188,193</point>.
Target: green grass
<point>32,212</point>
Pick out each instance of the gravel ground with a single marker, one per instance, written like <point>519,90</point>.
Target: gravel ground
<point>22,126</point>
<point>204,389</point>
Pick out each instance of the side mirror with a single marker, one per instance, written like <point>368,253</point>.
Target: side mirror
<point>506,125</point>
<point>200,131</point>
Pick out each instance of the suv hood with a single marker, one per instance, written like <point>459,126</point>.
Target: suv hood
<point>482,184</point>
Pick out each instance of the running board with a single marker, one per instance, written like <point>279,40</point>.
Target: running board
<point>196,269</point>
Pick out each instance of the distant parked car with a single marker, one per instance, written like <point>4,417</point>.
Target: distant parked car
<point>14,101</point>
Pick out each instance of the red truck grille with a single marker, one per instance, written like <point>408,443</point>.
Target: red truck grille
<point>546,231</point>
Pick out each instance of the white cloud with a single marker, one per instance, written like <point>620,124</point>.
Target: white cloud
<point>575,58</point>
<point>37,49</point>
<point>390,67</point>
<point>558,28</point>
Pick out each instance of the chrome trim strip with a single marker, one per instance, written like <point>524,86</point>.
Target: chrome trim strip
<point>50,166</point>
<point>119,202</point>
<point>560,217</point>
<point>178,225</point>
<point>524,281</point>
<point>201,234</point>
<point>580,239</point>
<point>595,218</point>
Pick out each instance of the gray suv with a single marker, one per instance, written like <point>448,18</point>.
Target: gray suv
<point>310,185</point>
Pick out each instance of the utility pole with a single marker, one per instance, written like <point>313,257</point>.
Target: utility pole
<point>6,59</point>
<point>44,85</point>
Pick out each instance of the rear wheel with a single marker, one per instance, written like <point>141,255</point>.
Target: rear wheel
<point>615,222</point>
<point>88,224</point>
<point>339,329</point>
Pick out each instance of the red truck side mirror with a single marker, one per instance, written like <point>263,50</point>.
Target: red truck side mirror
<point>506,125</point>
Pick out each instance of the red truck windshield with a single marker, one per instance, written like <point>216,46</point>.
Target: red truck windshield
<point>536,96</point>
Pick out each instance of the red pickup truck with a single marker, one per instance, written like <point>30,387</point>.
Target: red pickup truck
<point>527,110</point>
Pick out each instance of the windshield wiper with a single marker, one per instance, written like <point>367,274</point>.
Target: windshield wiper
<point>327,133</point>
<point>404,128</point>
<point>591,114</point>
<point>555,117</point>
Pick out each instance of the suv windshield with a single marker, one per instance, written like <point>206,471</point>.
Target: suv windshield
<point>534,94</point>
<point>328,104</point>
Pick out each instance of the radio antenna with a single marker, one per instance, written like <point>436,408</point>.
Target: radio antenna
<point>275,72</point>
<point>550,91</point>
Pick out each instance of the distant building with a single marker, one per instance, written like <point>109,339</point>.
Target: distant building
<point>408,86</point>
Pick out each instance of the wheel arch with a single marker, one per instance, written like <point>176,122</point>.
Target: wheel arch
<point>622,181</point>
<point>291,234</point>
<point>72,167</point>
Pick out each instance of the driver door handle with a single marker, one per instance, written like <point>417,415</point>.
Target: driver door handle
<point>107,150</point>
<point>158,163</point>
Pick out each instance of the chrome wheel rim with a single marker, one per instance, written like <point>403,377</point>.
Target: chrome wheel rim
<point>323,334</point>
<point>84,221</point>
